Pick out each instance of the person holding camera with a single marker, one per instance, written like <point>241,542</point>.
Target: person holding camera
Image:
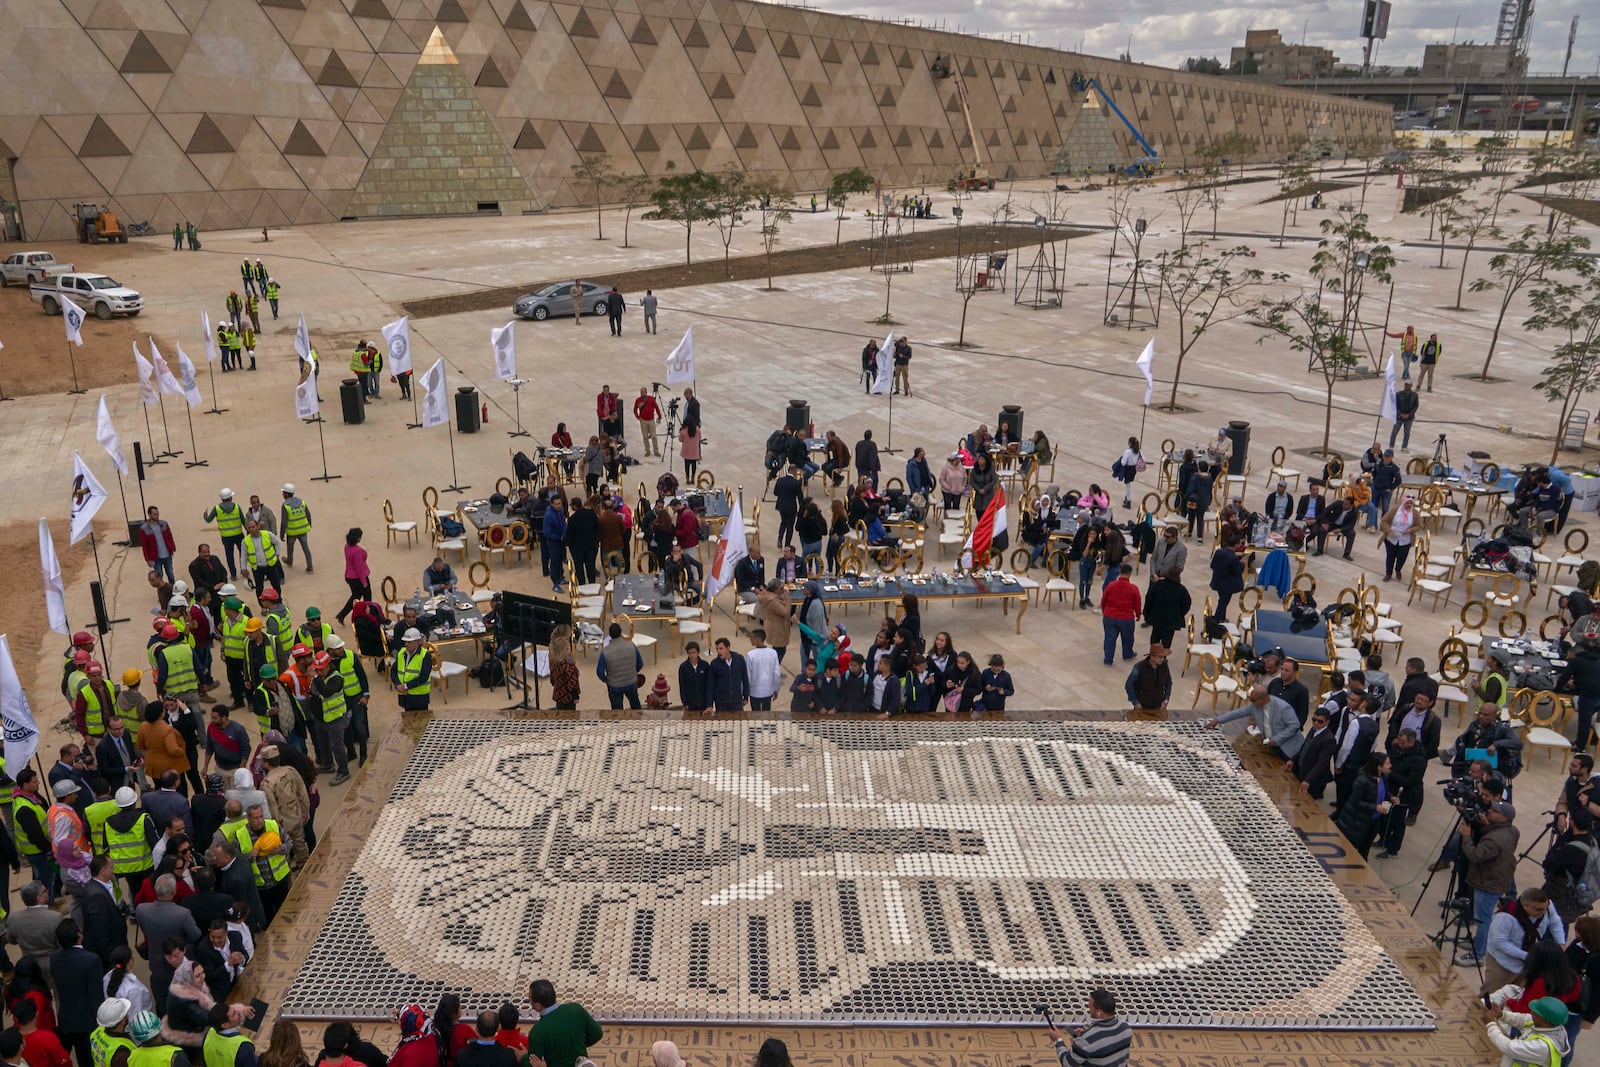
<point>1488,733</point>
<point>1478,788</point>
<point>1103,1043</point>
<point>1489,843</point>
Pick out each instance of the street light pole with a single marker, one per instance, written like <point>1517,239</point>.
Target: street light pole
<point>956,211</point>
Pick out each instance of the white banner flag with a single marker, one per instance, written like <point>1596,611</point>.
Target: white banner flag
<point>305,393</point>
<point>1386,408</point>
<point>730,550</point>
<point>87,496</point>
<point>680,364</point>
<point>72,315</point>
<point>147,377</point>
<point>211,336</point>
<point>164,376</point>
<point>106,434</point>
<point>191,388</point>
<point>1146,361</point>
<point>435,401</point>
<point>302,339</point>
<point>21,732</point>
<point>504,343</point>
<point>55,590</point>
<point>880,384</point>
<point>397,335</point>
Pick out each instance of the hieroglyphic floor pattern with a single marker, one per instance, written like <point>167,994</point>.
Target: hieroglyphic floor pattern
<point>808,872</point>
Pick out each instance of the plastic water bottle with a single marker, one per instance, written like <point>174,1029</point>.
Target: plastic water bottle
<point>416,594</point>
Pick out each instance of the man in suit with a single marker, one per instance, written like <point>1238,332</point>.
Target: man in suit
<point>221,954</point>
<point>1275,719</point>
<point>1314,765</point>
<point>163,918</point>
<point>1356,735</point>
<point>234,879</point>
<point>32,928</point>
<point>104,928</point>
<point>72,766</point>
<point>1313,511</point>
<point>207,902</point>
<point>165,803</point>
<point>76,972</point>
<point>116,756</point>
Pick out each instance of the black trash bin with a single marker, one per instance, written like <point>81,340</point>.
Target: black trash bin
<point>1010,420</point>
<point>351,402</point>
<point>1239,434</point>
<point>467,415</point>
<point>798,416</point>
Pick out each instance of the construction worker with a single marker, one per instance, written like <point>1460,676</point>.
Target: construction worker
<point>178,616</point>
<point>233,641</point>
<point>82,641</point>
<point>130,701</point>
<point>77,676</point>
<point>269,700</point>
<point>280,627</point>
<point>258,648</point>
<point>356,694</point>
<point>222,345</point>
<point>235,307</point>
<point>151,1050</point>
<point>269,862</point>
<point>247,341</point>
<point>175,673</point>
<point>297,679</point>
<point>229,517</point>
<point>361,366</point>
<point>412,672</point>
<point>376,376</point>
<point>236,349</point>
<point>261,277</point>
<point>109,1044</point>
<point>252,311</point>
<point>272,297</point>
<point>261,550</point>
<point>333,716</point>
<point>99,810</point>
<point>154,641</point>
<point>249,275</point>
<point>177,236</point>
<point>95,700</point>
<point>224,1045</point>
<point>130,840</point>
<point>315,632</point>
<point>69,834</point>
<point>295,522</point>
<point>32,824</point>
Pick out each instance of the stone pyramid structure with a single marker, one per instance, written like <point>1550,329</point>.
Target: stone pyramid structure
<point>1090,142</point>
<point>441,153</point>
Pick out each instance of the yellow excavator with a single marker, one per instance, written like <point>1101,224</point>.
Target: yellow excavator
<point>977,176</point>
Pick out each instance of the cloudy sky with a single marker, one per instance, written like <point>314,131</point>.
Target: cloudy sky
<point>1165,31</point>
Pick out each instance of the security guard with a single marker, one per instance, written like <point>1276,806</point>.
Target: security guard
<point>356,695</point>
<point>295,522</point>
<point>269,863</point>
<point>233,639</point>
<point>130,840</point>
<point>229,517</point>
<point>109,1044</point>
<point>314,634</point>
<point>412,672</point>
<point>334,718</point>
<point>175,673</point>
<point>152,1051</point>
<point>272,297</point>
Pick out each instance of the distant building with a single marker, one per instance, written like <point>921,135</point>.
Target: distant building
<point>1265,53</point>
<point>1473,61</point>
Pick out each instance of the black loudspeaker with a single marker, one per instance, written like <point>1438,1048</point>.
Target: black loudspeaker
<point>1011,418</point>
<point>138,460</point>
<point>531,619</point>
<point>102,617</point>
<point>351,403</point>
<point>797,416</point>
<point>468,414</point>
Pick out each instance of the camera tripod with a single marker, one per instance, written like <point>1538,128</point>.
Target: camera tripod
<point>1456,927</point>
<point>1439,465</point>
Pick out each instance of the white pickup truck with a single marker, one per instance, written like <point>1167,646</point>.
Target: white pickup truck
<point>94,293</point>
<point>25,268</point>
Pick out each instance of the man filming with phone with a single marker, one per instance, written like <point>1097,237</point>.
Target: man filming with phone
<point>1105,1042</point>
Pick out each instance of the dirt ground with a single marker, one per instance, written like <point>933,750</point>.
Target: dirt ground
<point>22,600</point>
<point>1586,210</point>
<point>36,360</point>
<point>928,244</point>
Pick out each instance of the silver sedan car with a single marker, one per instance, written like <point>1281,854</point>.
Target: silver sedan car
<point>556,299</point>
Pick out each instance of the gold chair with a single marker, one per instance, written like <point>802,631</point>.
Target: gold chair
<point>1575,545</point>
<point>397,530</point>
<point>444,670</point>
<point>519,542</point>
<point>1513,624</point>
<point>640,641</point>
<point>1503,592</point>
<point>1421,583</point>
<point>1474,617</point>
<point>442,543</point>
<point>478,576</point>
<point>705,481</point>
<point>1454,668</point>
<point>1193,650</point>
<point>1279,471</point>
<point>1215,681</point>
<point>1546,721</point>
<point>392,604</point>
<point>493,543</point>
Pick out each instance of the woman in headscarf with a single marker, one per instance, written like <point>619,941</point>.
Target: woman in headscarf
<point>665,1054</point>
<point>189,1002</point>
<point>418,1047</point>
<point>1397,528</point>
<point>813,615</point>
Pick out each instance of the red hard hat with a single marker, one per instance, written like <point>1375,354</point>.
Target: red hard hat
<point>160,623</point>
<point>270,594</point>
<point>82,638</point>
<point>94,670</point>
<point>80,657</point>
<point>169,633</point>
<point>321,660</point>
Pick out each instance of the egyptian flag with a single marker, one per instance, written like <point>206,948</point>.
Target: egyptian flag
<point>991,524</point>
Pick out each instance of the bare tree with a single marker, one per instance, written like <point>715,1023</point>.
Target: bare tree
<point>776,205</point>
<point>1187,198</point>
<point>730,199</point>
<point>634,192</point>
<point>1121,207</point>
<point>1571,308</point>
<point>596,172</point>
<point>1528,257</point>
<point>1471,220</point>
<point>1293,182</point>
<point>1205,289</point>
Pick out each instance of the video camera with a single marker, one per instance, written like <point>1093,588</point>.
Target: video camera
<point>1466,796</point>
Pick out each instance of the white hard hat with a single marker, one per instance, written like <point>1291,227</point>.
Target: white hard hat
<point>412,634</point>
<point>288,487</point>
<point>180,587</point>
<point>126,798</point>
<point>226,494</point>
<point>112,1011</point>
<point>333,641</point>
<point>178,602</point>
<point>230,590</point>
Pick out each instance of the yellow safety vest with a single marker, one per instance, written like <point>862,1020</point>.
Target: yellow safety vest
<point>408,669</point>
<point>181,676</point>
<point>315,636</point>
<point>267,550</point>
<point>103,1045</point>
<point>94,719</point>
<point>359,362</point>
<point>129,851</point>
<point>272,290</point>
<point>248,337</point>
<point>27,803</point>
<point>96,815</point>
<point>230,516</point>
<point>346,668</point>
<point>333,705</point>
<point>220,1050</point>
<point>280,627</point>
<point>160,1055</point>
<point>264,721</point>
<point>278,865</point>
<point>297,520</point>
<point>233,637</point>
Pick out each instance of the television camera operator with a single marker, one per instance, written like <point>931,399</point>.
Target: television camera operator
<point>1491,854</point>
<point>1471,795</point>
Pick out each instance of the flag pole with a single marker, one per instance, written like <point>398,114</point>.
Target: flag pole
<point>155,452</point>
<point>127,521</point>
<point>76,389</point>
<point>165,429</point>
<point>453,487</point>
<point>194,449</point>
<point>516,393</point>
<point>322,444</point>
<point>213,409</point>
<point>413,391</point>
